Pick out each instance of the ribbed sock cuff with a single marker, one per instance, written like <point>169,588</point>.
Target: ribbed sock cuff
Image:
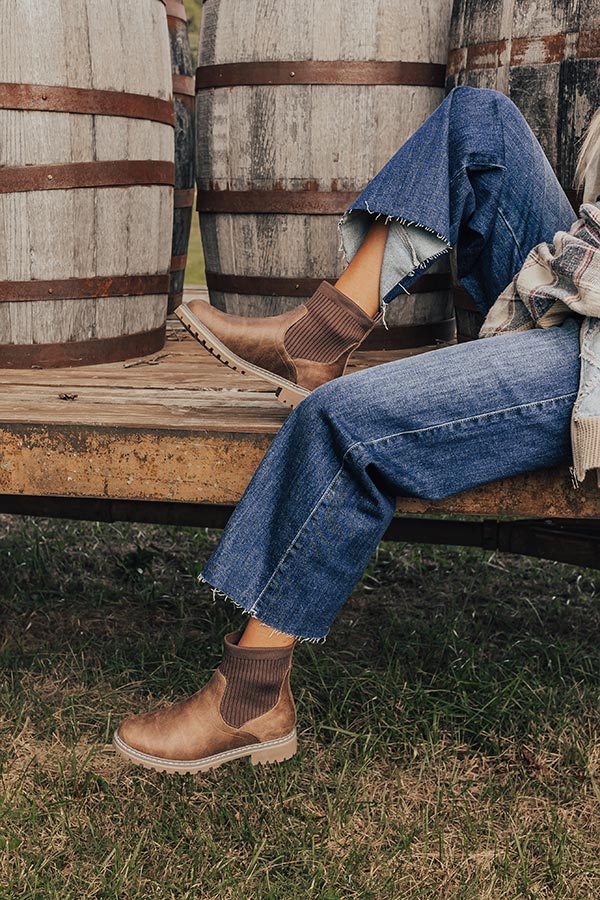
<point>333,324</point>
<point>254,677</point>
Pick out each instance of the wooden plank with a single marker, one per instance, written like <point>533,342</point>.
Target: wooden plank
<point>204,466</point>
<point>179,427</point>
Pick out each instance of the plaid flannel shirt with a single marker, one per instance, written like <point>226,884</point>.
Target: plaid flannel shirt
<point>555,281</point>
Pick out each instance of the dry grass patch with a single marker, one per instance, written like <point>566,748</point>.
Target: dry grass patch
<point>449,730</point>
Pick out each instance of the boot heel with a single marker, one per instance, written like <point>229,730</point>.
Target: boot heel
<point>277,753</point>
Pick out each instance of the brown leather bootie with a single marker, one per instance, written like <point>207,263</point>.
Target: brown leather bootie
<point>295,351</point>
<point>246,709</point>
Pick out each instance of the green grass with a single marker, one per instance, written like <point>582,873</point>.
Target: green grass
<point>448,730</point>
<point>193,9</point>
<point>194,271</point>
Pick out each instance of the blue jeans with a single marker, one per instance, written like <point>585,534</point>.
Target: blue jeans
<point>473,178</point>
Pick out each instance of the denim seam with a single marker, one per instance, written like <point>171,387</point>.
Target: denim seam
<point>466,168</point>
<point>511,232</point>
<point>299,532</point>
<point>459,421</point>
<point>363,444</point>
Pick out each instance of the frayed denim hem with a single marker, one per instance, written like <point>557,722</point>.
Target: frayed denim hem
<point>216,592</point>
<point>407,272</point>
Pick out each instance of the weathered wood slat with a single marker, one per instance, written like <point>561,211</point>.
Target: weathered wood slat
<point>182,68</point>
<point>92,230</point>
<point>179,427</point>
<point>545,56</point>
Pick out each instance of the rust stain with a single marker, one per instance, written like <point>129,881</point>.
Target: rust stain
<point>488,55</point>
<point>118,463</point>
<point>537,51</point>
<point>457,61</point>
<point>588,45</point>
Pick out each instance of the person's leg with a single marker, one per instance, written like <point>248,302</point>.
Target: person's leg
<point>427,426</point>
<point>474,175</point>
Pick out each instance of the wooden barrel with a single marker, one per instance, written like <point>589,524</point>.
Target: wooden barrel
<point>86,175</point>
<point>295,113</point>
<point>546,58</point>
<point>183,100</point>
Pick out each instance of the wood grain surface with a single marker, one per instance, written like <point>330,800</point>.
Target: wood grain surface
<point>113,45</point>
<point>304,138</point>
<point>545,56</point>
<point>178,426</point>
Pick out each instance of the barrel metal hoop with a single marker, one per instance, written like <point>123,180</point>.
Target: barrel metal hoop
<point>176,10</point>
<point>292,202</point>
<point>544,50</point>
<point>178,263</point>
<point>304,287</point>
<point>114,173</point>
<point>83,288</point>
<point>183,198</point>
<point>184,85</point>
<point>82,353</point>
<point>316,71</point>
<point>53,98</point>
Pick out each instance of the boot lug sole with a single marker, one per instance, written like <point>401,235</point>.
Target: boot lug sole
<point>263,753</point>
<point>286,391</point>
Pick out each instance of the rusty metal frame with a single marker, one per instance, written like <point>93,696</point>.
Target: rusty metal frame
<point>576,542</point>
<point>86,101</point>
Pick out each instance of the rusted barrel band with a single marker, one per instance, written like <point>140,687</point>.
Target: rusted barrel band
<point>116,173</point>
<point>82,353</point>
<point>176,10</point>
<point>83,288</point>
<point>183,85</point>
<point>316,71</point>
<point>178,263</point>
<point>183,198</point>
<point>293,202</point>
<point>303,287</point>
<point>52,98</point>
<point>405,337</point>
<point>544,50</point>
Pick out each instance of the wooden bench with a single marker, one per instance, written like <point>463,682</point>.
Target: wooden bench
<point>176,438</point>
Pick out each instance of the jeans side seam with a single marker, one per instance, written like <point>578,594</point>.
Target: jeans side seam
<point>478,166</point>
<point>511,232</point>
<point>458,421</point>
<point>363,444</point>
<point>298,533</point>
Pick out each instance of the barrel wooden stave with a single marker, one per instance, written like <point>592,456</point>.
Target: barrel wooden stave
<point>305,137</point>
<point>545,57</point>
<point>89,231</point>
<point>181,65</point>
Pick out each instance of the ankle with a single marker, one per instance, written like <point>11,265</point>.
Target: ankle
<point>332,326</point>
<point>257,634</point>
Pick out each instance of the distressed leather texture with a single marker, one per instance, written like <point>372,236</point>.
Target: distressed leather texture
<point>194,729</point>
<point>261,341</point>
